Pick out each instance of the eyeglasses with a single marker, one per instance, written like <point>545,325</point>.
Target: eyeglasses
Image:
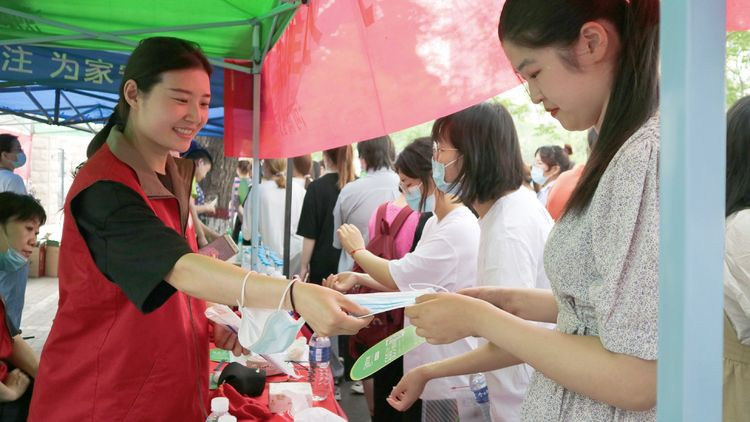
<point>436,150</point>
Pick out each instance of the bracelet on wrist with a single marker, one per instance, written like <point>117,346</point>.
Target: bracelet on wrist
<point>355,251</point>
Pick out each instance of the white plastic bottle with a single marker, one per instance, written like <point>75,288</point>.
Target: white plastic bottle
<point>320,377</point>
<point>227,418</point>
<point>481,394</point>
<point>219,407</point>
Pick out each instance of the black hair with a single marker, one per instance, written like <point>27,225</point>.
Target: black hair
<point>554,155</point>
<point>415,161</point>
<point>150,59</point>
<point>635,92</point>
<point>244,166</point>
<point>7,141</point>
<point>738,153</point>
<point>378,153</point>
<point>199,154</point>
<point>486,138</point>
<point>591,137</point>
<point>20,207</point>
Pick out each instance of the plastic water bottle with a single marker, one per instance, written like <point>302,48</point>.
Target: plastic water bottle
<point>320,356</point>
<point>481,394</point>
<point>219,408</point>
<point>227,418</point>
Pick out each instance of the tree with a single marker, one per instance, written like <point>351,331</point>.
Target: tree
<point>738,66</point>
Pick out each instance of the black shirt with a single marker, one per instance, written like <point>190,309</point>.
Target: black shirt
<point>130,245</point>
<point>316,222</point>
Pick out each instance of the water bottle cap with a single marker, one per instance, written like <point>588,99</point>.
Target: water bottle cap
<point>227,418</point>
<point>220,404</point>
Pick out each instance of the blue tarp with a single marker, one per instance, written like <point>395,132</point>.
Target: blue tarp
<point>72,87</point>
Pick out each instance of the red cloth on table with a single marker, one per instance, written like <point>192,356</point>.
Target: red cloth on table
<point>251,409</point>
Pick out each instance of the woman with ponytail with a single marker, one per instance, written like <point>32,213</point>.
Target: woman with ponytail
<point>130,337</point>
<point>319,258</point>
<point>272,193</point>
<point>591,63</point>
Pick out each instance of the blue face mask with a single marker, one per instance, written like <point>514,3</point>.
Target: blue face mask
<point>11,260</point>
<point>537,175</point>
<point>20,160</point>
<point>387,301</point>
<point>278,332</point>
<point>438,175</point>
<point>413,197</point>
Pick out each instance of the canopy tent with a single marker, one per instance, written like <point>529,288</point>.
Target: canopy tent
<point>74,87</point>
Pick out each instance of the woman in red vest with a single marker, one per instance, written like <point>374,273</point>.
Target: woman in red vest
<point>130,339</point>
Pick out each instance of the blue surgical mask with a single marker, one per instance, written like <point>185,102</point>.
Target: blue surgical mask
<point>277,334</point>
<point>413,197</point>
<point>438,175</point>
<point>537,175</point>
<point>388,301</point>
<point>11,260</point>
<point>20,160</point>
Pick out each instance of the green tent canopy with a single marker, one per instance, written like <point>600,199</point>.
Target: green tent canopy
<point>223,28</point>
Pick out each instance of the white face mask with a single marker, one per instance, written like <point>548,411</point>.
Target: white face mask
<point>388,301</point>
<point>264,331</point>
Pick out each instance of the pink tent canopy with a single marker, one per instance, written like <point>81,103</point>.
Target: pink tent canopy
<point>346,71</point>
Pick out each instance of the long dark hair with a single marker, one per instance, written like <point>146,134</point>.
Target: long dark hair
<point>738,151</point>
<point>635,91</point>
<point>150,59</point>
<point>486,138</point>
<point>415,162</point>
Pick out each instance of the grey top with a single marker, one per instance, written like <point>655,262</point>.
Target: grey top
<point>357,202</point>
<point>11,182</point>
<point>603,268</point>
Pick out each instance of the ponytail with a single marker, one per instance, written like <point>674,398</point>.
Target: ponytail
<point>276,169</point>
<point>115,120</point>
<point>343,158</point>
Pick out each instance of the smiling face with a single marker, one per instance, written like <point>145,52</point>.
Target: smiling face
<point>21,235</point>
<point>573,84</point>
<point>170,115</point>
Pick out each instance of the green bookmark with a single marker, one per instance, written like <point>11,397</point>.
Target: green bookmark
<point>385,352</point>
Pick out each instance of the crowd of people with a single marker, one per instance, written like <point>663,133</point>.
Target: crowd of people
<point>547,272</point>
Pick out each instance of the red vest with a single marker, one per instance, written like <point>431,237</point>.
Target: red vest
<point>104,360</point>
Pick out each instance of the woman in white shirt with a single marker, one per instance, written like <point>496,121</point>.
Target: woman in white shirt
<point>513,230</point>
<point>737,266</point>
<point>272,194</point>
<point>549,162</point>
<point>445,256</point>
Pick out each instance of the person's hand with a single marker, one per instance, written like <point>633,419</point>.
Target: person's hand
<point>304,273</point>
<point>342,282</point>
<point>408,390</point>
<point>327,311</point>
<point>226,339</point>
<point>350,237</point>
<point>16,384</point>
<point>443,318</point>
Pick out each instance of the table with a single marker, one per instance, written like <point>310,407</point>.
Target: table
<point>256,408</point>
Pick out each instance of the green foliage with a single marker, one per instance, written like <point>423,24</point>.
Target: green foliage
<point>738,66</point>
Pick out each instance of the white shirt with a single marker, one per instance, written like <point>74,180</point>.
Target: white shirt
<point>737,273</point>
<point>511,249</point>
<point>271,219</point>
<point>543,194</point>
<point>446,256</point>
<point>11,182</point>
<point>357,202</point>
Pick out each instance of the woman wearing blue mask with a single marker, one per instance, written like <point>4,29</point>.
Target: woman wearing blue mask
<point>446,256</point>
<point>549,162</point>
<point>20,218</point>
<point>514,226</point>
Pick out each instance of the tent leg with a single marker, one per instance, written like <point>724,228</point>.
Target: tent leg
<point>255,193</point>
<point>288,216</point>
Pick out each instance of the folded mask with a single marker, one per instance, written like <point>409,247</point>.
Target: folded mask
<point>386,301</point>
